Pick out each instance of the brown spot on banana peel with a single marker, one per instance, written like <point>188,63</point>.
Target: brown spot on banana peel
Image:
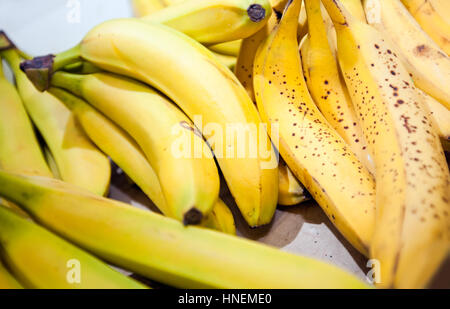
<point>39,71</point>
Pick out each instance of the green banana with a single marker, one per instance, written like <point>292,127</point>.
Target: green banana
<point>162,248</point>
<point>40,259</point>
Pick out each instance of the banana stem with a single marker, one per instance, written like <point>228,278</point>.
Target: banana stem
<point>40,69</point>
<point>68,81</point>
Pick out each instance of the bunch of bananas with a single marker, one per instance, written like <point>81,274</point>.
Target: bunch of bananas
<point>360,122</point>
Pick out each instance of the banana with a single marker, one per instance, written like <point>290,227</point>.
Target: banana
<point>327,85</point>
<point>432,15</point>
<point>127,154</point>
<point>441,117</point>
<point>214,21</point>
<point>79,161</point>
<point>244,64</point>
<point>162,248</point>
<point>290,190</point>
<point>51,163</point>
<point>20,151</point>
<point>355,8</point>
<point>412,176</point>
<point>146,7</point>
<point>316,154</point>
<point>228,48</point>
<point>40,259</point>
<point>302,23</point>
<point>202,88</point>
<point>189,180</point>
<point>226,60</point>
<point>428,65</point>
<point>220,219</point>
<point>7,281</point>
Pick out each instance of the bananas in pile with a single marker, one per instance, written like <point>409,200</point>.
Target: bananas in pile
<point>353,95</point>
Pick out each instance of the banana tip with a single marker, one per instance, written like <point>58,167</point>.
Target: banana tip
<point>39,70</point>
<point>256,12</point>
<point>192,217</point>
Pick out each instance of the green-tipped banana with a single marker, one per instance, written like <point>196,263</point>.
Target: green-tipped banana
<point>202,87</point>
<point>40,259</point>
<point>162,248</point>
<point>214,21</point>
<point>190,181</point>
<point>7,280</point>
<point>127,154</point>
<point>79,161</point>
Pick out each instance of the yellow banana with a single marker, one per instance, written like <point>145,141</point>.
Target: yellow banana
<point>412,233</point>
<point>355,8</point>
<point>40,259</point>
<point>127,154</point>
<point>302,22</point>
<point>316,154</point>
<point>190,181</point>
<point>7,280</point>
<point>226,60</point>
<point>441,117</point>
<point>20,151</point>
<point>327,85</point>
<point>162,248</point>
<point>79,161</point>
<point>290,190</point>
<point>214,21</point>
<point>228,48</point>
<point>246,57</point>
<point>202,88</point>
<point>146,7</point>
<point>432,15</point>
<point>51,163</point>
<point>428,65</point>
<point>220,219</point>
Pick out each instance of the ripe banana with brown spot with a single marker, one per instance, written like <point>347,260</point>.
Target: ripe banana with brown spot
<point>290,190</point>
<point>79,161</point>
<point>127,154</point>
<point>189,180</point>
<point>432,15</point>
<point>412,231</point>
<point>428,65</point>
<point>246,57</point>
<point>313,150</point>
<point>327,85</point>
